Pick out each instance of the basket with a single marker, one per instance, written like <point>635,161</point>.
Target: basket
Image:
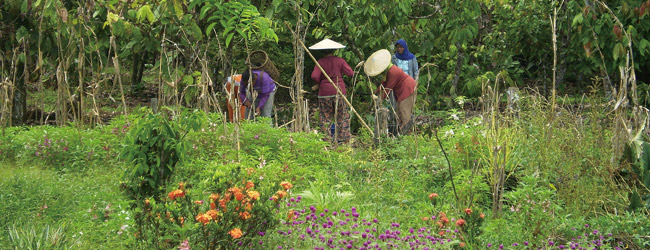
<point>259,60</point>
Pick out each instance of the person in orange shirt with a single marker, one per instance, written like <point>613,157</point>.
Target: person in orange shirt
<point>393,79</point>
<point>232,93</point>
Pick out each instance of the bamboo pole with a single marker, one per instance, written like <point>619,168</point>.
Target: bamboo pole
<point>338,90</point>
<point>116,64</point>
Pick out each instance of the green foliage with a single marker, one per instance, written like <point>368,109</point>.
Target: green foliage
<point>47,206</point>
<point>235,17</point>
<point>636,159</point>
<point>331,197</point>
<point>32,238</point>
<point>153,148</point>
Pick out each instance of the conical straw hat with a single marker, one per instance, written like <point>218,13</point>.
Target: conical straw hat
<point>377,62</point>
<point>327,44</point>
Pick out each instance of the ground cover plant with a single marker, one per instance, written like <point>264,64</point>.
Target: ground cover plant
<point>293,191</point>
<point>530,127</point>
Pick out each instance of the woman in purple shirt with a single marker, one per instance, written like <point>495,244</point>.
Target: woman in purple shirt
<point>264,87</point>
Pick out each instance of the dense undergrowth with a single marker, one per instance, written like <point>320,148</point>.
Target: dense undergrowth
<point>116,187</point>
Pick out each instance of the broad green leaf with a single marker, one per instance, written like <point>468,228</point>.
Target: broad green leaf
<point>178,7</point>
<point>204,11</point>
<point>196,32</point>
<point>618,51</point>
<point>229,38</point>
<point>208,30</point>
<point>577,20</point>
<point>23,7</point>
<point>145,12</point>
<point>644,46</point>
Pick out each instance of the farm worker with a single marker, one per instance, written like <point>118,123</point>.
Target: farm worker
<point>393,79</point>
<point>405,60</point>
<point>232,88</point>
<point>264,87</point>
<point>330,103</point>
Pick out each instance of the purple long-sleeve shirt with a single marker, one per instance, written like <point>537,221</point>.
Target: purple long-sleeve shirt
<point>263,86</point>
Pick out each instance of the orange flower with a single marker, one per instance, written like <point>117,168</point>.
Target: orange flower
<point>254,195</point>
<point>441,233</point>
<point>175,194</point>
<point>281,194</point>
<point>147,202</point>
<point>468,211</point>
<point>239,196</point>
<point>443,221</point>
<point>250,185</point>
<point>482,215</point>
<point>250,171</point>
<point>249,207</point>
<point>425,218</point>
<point>222,204</point>
<point>275,198</point>
<point>214,197</point>
<point>462,244</point>
<point>290,215</point>
<point>198,202</point>
<point>244,215</point>
<point>181,219</point>
<point>286,185</point>
<point>212,213</point>
<point>212,205</point>
<point>235,233</point>
<point>433,195</point>
<point>233,190</point>
<point>460,222</point>
<point>181,185</point>
<point>203,218</point>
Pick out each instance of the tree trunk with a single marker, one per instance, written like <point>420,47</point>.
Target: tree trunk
<point>20,95</point>
<point>459,65</point>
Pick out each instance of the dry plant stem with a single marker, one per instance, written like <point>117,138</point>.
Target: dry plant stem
<point>451,173</point>
<point>622,131</point>
<point>116,63</point>
<point>554,37</point>
<point>161,86</point>
<point>338,90</point>
<point>80,69</point>
<point>39,66</point>
<point>301,112</point>
<point>61,105</point>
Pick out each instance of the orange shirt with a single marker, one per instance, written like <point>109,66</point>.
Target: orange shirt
<point>402,84</point>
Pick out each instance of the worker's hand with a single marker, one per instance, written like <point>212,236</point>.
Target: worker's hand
<point>315,87</point>
<point>247,103</point>
<point>258,111</point>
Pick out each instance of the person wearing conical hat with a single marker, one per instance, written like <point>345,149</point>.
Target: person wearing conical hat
<point>396,80</point>
<point>329,103</point>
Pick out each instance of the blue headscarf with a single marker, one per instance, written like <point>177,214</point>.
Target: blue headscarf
<point>407,55</point>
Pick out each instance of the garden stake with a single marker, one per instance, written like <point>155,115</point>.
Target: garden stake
<point>451,174</point>
<point>332,82</point>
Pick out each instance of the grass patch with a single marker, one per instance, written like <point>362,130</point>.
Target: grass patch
<point>74,209</point>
